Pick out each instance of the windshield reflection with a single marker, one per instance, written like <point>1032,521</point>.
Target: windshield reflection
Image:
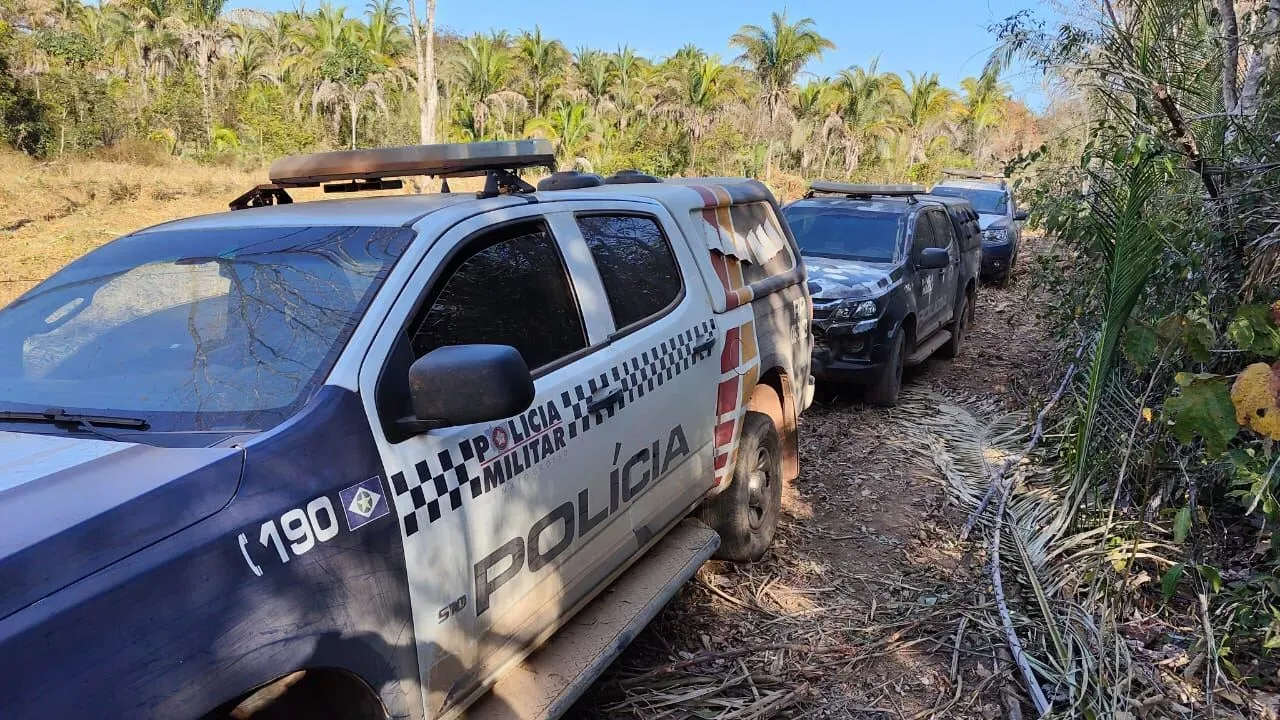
<point>197,329</point>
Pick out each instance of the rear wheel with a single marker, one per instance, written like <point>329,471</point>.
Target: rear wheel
<point>884,391</point>
<point>746,513</point>
<point>959,328</point>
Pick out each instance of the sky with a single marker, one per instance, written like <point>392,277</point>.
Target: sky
<point>950,38</point>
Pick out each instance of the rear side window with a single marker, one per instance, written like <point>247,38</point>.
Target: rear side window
<point>509,287</point>
<point>924,237</point>
<point>942,232</point>
<point>636,265</point>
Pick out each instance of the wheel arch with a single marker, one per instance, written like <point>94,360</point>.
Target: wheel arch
<point>301,693</point>
<point>774,396</point>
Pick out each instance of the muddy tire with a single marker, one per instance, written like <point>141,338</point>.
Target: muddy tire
<point>959,329</point>
<point>884,391</point>
<point>746,513</point>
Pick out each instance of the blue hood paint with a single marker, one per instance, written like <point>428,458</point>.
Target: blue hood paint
<point>987,220</point>
<point>70,506</point>
<point>832,279</point>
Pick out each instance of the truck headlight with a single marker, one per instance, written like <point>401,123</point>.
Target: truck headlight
<point>995,235</point>
<point>855,310</point>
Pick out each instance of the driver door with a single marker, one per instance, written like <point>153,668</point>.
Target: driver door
<point>487,509</point>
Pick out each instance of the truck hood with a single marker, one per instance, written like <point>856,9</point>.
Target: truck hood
<point>986,220</point>
<point>70,506</point>
<point>831,279</point>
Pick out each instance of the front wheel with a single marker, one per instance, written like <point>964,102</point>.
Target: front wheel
<point>746,513</point>
<point>884,391</point>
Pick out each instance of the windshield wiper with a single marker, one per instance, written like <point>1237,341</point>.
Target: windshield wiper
<point>58,416</point>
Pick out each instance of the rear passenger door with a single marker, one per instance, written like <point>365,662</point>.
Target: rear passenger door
<point>663,341</point>
<point>944,236</point>
<point>927,281</point>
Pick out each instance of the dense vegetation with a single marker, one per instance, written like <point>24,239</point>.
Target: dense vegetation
<point>187,77</point>
<point>1164,460</point>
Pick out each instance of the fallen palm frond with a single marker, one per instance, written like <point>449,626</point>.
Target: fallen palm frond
<point>1070,604</point>
<point>1074,653</point>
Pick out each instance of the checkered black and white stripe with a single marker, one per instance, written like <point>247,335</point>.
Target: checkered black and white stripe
<point>442,483</point>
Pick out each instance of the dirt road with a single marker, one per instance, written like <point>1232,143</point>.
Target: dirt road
<point>859,610</point>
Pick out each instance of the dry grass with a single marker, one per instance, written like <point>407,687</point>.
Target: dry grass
<point>54,212</point>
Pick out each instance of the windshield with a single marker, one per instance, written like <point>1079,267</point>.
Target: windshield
<point>987,202</point>
<point>194,329</point>
<point>845,233</point>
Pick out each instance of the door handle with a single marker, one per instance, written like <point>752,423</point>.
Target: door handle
<point>606,401</point>
<point>706,346</point>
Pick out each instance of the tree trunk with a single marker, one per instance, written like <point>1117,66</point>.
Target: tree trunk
<point>1230,54</point>
<point>1259,62</point>
<point>206,104</point>
<point>433,92</point>
<point>355,111</point>
<point>424,45</point>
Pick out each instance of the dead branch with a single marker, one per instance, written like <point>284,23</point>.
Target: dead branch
<point>1182,133</point>
<point>1036,433</point>
<point>1006,619</point>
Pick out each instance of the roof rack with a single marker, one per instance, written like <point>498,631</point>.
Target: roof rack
<point>975,174</point>
<point>358,170</point>
<point>855,190</point>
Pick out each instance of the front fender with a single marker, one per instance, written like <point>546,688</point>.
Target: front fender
<point>187,624</point>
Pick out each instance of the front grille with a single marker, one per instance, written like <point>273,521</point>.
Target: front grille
<point>822,309</point>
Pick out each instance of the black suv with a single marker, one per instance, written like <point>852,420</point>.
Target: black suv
<point>894,274</point>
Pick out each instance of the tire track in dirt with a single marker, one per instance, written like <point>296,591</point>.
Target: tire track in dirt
<point>856,611</point>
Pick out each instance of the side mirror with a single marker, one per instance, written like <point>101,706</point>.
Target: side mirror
<point>933,259</point>
<point>464,384</point>
<point>1020,215</point>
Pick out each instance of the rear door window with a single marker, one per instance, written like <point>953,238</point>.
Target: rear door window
<point>509,287</point>
<point>636,264</point>
<point>943,234</point>
<point>924,237</point>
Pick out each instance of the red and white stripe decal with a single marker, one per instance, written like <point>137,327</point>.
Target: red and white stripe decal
<point>739,370</point>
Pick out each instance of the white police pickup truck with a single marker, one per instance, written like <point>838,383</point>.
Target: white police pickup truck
<point>359,458</point>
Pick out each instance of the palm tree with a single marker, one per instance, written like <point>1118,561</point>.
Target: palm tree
<point>777,55</point>
<point>350,78</point>
<point>543,61</point>
<point>155,46</point>
<point>871,110</point>
<point>699,88</point>
<point>202,29</point>
<point>483,66</point>
<point>928,105</point>
<point>384,36</point>
<point>593,76</point>
<point>628,82</point>
<point>982,108</point>
<point>569,127</point>
<point>816,109</point>
<point>326,31</point>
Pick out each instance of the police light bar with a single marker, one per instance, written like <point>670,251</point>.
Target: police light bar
<point>861,190</point>
<point>445,160</point>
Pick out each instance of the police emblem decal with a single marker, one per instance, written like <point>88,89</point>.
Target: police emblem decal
<point>499,436</point>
